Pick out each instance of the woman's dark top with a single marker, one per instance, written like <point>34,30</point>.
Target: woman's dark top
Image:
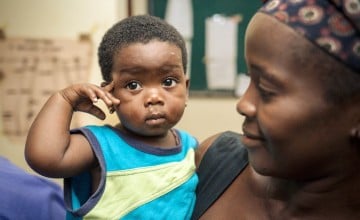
<point>221,164</point>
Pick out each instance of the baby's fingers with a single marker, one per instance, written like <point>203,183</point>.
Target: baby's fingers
<point>105,96</point>
<point>109,100</point>
<point>109,88</point>
<point>97,112</point>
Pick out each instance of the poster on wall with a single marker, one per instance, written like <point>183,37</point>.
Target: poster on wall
<point>221,55</point>
<point>33,69</point>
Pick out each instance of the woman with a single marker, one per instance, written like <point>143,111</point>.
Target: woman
<point>299,155</point>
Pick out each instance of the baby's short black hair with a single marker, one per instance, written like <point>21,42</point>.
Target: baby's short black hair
<point>136,29</point>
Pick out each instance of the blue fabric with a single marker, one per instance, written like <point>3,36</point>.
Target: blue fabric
<point>25,196</point>
<point>182,196</point>
<point>134,157</point>
<point>110,146</point>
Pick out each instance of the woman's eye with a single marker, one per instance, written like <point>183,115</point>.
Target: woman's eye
<point>133,86</point>
<point>265,94</point>
<point>169,82</point>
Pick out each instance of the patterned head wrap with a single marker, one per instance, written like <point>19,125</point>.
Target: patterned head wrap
<point>333,25</point>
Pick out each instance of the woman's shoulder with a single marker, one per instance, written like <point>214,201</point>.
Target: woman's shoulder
<point>224,141</point>
<point>220,159</point>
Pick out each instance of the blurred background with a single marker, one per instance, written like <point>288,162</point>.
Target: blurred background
<point>46,45</point>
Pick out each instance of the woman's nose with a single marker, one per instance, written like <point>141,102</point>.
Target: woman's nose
<point>246,105</point>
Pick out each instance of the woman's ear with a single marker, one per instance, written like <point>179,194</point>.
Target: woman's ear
<point>355,134</point>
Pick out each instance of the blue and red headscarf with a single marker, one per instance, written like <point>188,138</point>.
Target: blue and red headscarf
<point>333,25</point>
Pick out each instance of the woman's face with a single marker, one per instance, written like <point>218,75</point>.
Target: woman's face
<point>289,129</point>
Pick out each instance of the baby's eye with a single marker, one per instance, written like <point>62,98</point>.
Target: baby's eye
<point>133,86</point>
<point>169,82</point>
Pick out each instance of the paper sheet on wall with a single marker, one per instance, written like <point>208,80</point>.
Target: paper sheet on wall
<point>221,52</point>
<point>180,15</point>
<point>31,70</point>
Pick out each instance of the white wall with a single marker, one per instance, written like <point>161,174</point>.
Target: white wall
<point>67,19</point>
<point>59,19</point>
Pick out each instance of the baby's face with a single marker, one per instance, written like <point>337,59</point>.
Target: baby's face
<point>149,80</point>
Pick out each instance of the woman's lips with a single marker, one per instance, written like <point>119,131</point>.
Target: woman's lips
<point>251,135</point>
<point>250,139</point>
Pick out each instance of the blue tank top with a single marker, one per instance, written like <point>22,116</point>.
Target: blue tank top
<point>137,181</point>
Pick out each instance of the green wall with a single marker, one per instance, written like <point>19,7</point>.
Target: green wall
<point>202,10</point>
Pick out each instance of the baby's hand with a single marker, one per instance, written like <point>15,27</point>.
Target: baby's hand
<point>109,87</point>
<point>82,97</point>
